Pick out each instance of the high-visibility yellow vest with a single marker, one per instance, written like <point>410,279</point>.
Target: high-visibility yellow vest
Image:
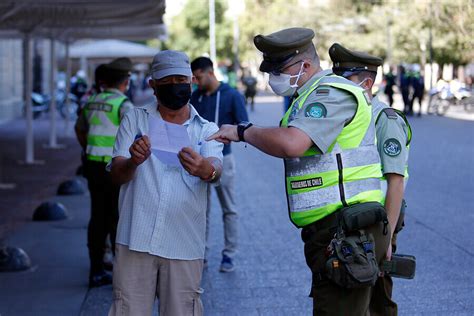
<point>102,112</point>
<point>349,172</point>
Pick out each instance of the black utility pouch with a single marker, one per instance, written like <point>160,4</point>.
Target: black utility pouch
<point>362,215</point>
<point>352,262</point>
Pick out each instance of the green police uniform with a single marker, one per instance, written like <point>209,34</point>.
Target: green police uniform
<point>101,118</point>
<point>343,166</point>
<point>393,139</point>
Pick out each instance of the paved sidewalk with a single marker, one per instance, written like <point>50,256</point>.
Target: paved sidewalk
<point>58,280</point>
<point>271,276</point>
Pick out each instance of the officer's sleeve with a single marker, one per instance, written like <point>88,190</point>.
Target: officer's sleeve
<point>125,135</point>
<point>125,107</point>
<point>324,114</point>
<point>391,143</point>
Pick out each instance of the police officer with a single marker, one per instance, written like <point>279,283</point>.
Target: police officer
<point>327,140</point>
<point>393,136</point>
<point>96,129</point>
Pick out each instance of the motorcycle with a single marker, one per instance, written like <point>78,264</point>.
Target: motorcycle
<point>41,104</point>
<point>441,99</point>
<point>69,111</point>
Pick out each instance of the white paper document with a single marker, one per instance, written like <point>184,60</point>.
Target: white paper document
<point>167,139</point>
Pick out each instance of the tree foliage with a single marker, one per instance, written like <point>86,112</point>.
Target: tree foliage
<point>189,31</point>
<point>395,29</point>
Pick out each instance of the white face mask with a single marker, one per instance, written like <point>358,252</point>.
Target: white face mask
<point>281,84</point>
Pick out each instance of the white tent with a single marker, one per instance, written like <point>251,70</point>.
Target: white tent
<point>110,49</point>
<point>69,20</point>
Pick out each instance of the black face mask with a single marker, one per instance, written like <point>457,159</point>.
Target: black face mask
<point>173,95</point>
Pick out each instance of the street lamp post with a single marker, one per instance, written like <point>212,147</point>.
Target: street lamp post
<point>212,30</point>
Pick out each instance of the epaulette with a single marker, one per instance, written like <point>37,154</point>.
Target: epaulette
<point>391,113</point>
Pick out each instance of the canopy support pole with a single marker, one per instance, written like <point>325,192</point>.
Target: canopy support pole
<point>30,155</point>
<point>52,92</point>
<point>68,88</point>
<point>212,31</point>
<point>27,88</point>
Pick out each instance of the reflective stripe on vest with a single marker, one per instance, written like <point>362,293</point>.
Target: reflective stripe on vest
<point>102,112</point>
<point>383,180</point>
<point>348,173</point>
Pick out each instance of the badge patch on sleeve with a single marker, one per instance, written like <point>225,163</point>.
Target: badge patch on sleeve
<point>315,110</point>
<point>392,147</point>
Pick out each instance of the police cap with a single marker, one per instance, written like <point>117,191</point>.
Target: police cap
<point>280,47</point>
<point>120,65</point>
<point>347,63</point>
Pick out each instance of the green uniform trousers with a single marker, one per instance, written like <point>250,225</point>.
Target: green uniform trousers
<point>328,298</point>
<point>382,303</point>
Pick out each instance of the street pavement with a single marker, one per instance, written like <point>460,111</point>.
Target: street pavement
<point>271,276</point>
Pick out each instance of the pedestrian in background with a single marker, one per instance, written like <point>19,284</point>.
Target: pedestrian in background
<point>405,89</point>
<point>393,136</point>
<point>79,84</point>
<point>162,227</point>
<point>327,131</point>
<point>219,103</point>
<point>417,82</point>
<point>389,84</point>
<point>250,84</point>
<point>96,129</point>
<point>100,73</point>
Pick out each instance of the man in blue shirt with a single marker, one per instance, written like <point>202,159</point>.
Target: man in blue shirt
<point>218,102</point>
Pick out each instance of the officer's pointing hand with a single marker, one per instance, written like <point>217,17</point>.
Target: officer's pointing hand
<point>140,150</point>
<point>225,134</point>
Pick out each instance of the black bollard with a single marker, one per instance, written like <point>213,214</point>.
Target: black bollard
<point>71,187</point>
<point>50,211</point>
<point>13,259</point>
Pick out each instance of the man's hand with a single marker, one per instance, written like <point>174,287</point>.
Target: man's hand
<point>140,150</point>
<point>225,134</point>
<point>194,163</point>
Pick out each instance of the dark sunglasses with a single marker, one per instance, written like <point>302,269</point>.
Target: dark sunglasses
<point>277,72</point>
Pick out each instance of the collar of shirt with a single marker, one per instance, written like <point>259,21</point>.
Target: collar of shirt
<point>375,99</point>
<point>193,115</point>
<point>311,80</point>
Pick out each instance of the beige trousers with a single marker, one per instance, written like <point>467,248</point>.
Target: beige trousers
<point>139,278</point>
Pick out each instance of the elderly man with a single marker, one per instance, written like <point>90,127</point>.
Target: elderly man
<point>161,231</point>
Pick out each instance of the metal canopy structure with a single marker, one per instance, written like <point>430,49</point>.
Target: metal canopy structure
<point>59,17</point>
<point>67,21</point>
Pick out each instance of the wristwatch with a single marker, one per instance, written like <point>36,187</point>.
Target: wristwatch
<point>241,129</point>
<point>213,175</point>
